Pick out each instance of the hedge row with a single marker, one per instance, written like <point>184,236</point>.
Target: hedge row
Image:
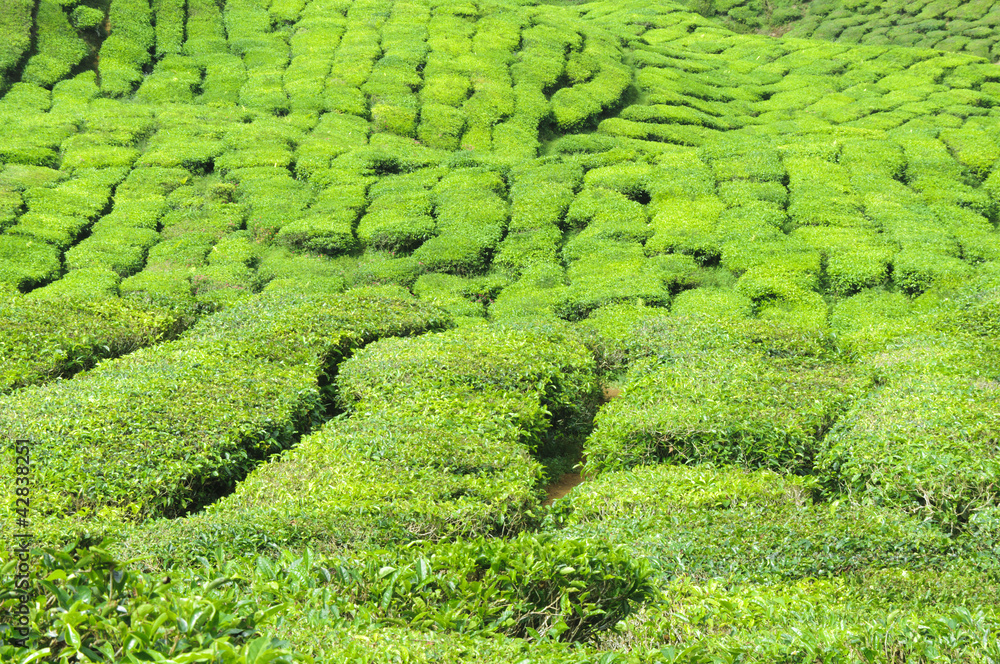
<point>127,50</point>
<point>46,338</point>
<point>58,48</point>
<point>399,216</point>
<point>204,29</point>
<point>176,79</point>
<point>943,452</point>
<point>15,35</point>
<point>437,443</point>
<point>598,82</point>
<point>169,23</point>
<point>540,197</point>
<point>471,218</point>
<point>948,26</point>
<point>725,542</point>
<point>316,37</point>
<point>715,387</point>
<point>236,388</point>
<point>397,73</point>
<point>328,225</point>
<point>355,56</point>
<point>197,214</point>
<point>55,217</point>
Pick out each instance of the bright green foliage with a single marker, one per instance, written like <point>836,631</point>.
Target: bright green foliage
<point>26,262</point>
<point>599,89</point>
<point>48,337</point>
<point>464,298</point>
<point>95,151</point>
<point>539,291</point>
<point>720,388</point>
<point>398,218</point>
<point>159,612</point>
<point>611,272</point>
<point>782,251</point>
<point>282,269</point>
<point>328,224</point>
<point>719,407</point>
<point>552,367</point>
<point>529,585</point>
<point>58,214</point>
<point>609,332</point>
<point>169,15</point>
<point>175,80</point>
<point>335,134</point>
<point>540,197</point>
<point>90,283</point>
<point>688,226</point>
<point>127,49</point>
<point>947,475</point>
<point>58,47</point>
<point>441,126</point>
<point>15,33</point>
<point>204,29</point>
<point>86,18</point>
<point>723,521</point>
<point>255,378</point>
<point>122,249</point>
<point>711,303</point>
<point>11,204</point>
<point>460,396</point>
<point>471,218</point>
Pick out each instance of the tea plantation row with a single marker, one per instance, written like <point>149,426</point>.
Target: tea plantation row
<point>305,302</point>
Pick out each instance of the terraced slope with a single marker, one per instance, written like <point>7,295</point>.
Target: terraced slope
<point>947,25</point>
<point>779,253</point>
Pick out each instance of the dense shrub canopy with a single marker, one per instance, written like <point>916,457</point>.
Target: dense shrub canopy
<point>307,302</point>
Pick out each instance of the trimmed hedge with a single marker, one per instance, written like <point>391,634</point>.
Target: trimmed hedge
<point>939,460</point>
<point>399,219</point>
<point>58,47</point>
<point>90,283</point>
<point>45,338</point>
<point>27,262</point>
<point>15,33</point>
<point>128,48</point>
<point>723,407</point>
<point>237,387</point>
<point>706,521</point>
<point>437,443</point>
<point>169,24</point>
<point>471,216</point>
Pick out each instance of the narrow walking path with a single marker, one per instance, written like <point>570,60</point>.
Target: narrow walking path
<point>561,487</point>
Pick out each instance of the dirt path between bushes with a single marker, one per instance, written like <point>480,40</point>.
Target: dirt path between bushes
<point>561,487</point>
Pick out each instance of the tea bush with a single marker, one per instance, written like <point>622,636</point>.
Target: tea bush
<point>127,49</point>
<point>92,283</point>
<point>540,196</point>
<point>398,218</point>
<point>704,521</point>
<point>775,251</point>
<point>447,402</point>
<point>58,48</point>
<point>944,477</point>
<point>87,605</point>
<point>715,408</point>
<point>169,25</point>
<point>45,338</point>
<point>15,35</point>
<point>279,396</point>
<point>531,585</point>
<point>471,216</point>
<point>27,262</point>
